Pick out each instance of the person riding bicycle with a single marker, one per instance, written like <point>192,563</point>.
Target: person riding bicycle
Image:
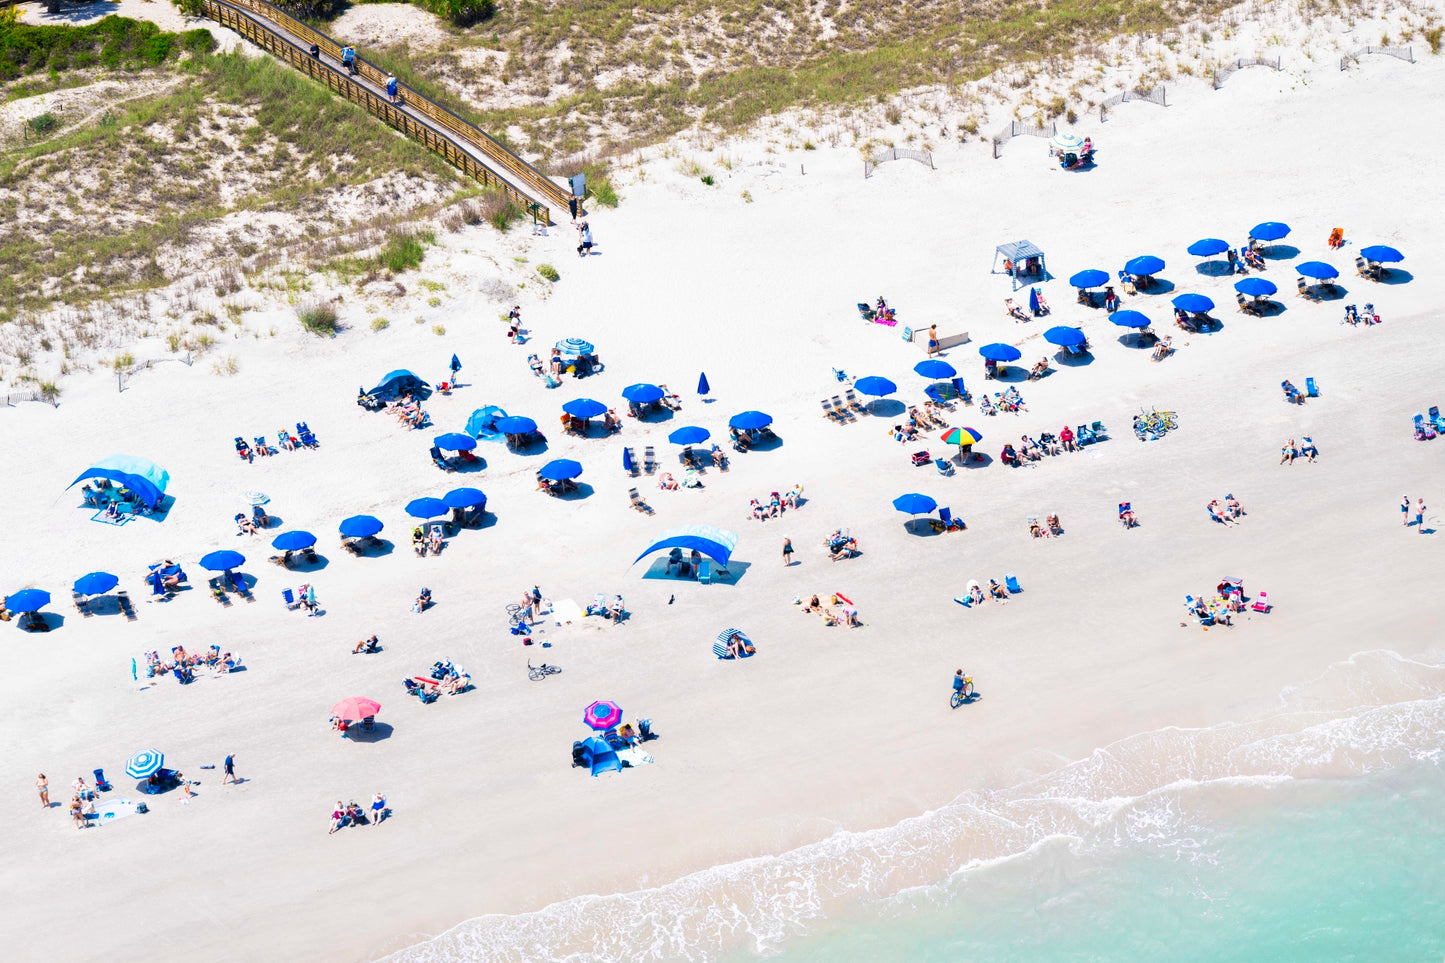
<point>961,682</point>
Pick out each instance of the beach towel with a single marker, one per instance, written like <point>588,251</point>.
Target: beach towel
<point>565,611</point>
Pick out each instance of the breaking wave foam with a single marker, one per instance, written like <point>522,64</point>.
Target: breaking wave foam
<point>1373,712</point>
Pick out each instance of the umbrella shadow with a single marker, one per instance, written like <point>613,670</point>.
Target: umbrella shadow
<point>975,460</point>
<point>1213,269</point>
<point>1279,252</point>
<point>579,491</point>
<point>1131,340</point>
<point>1013,371</point>
<point>658,413</point>
<point>377,732</point>
<point>478,463</point>
<point>51,621</point>
<point>307,566</point>
<point>1396,276</point>
<point>1069,360</point>
<point>886,407</point>
<point>919,527</point>
<point>769,443</point>
<point>1158,286</point>
<point>272,521</point>
<point>1331,292</point>
<point>1270,308</point>
<point>377,547</point>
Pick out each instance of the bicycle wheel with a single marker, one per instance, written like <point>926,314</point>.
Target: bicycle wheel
<point>956,700</point>
<point>553,669</point>
<point>536,675</point>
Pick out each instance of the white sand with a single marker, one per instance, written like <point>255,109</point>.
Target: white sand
<point>825,728</point>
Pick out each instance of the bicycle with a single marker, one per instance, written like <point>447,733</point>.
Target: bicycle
<point>962,694</point>
<point>539,672</point>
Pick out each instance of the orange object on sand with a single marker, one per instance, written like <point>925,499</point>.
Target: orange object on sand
<point>1337,237</point>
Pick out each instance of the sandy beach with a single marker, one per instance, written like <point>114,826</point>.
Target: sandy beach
<point>827,731</point>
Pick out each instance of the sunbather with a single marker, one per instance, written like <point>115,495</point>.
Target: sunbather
<point>1307,448</point>
<point>1288,453</point>
<point>666,482</point>
<point>794,495</point>
<point>1291,393</point>
<point>1009,456</point>
<point>997,591</point>
<point>244,525</point>
<point>423,600</point>
<point>1035,529</point>
<point>365,645</point>
<point>1066,438</point>
<point>1111,300</point>
<point>1218,514</point>
<point>1162,349</point>
<point>418,540</point>
<point>617,609</point>
<point>1054,527</point>
<point>1029,448</point>
<point>284,439</point>
<point>1039,370</point>
<point>1014,400</point>
<point>1014,311</point>
<point>1231,506</point>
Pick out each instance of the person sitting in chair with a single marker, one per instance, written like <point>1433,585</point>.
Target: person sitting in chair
<point>1009,456</point>
<point>244,524</point>
<point>1162,349</point>
<point>1053,523</point>
<point>1111,300</point>
<point>423,600</point>
<point>1307,448</point>
<point>611,421</point>
<point>1034,529</point>
<point>617,609</point>
<point>1288,453</point>
<point>666,482</point>
<point>1039,370</point>
<point>1291,393</point>
<point>435,541</point>
<point>1014,311</point>
<point>997,591</point>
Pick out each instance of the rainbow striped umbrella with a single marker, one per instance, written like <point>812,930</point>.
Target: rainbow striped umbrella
<point>962,436</point>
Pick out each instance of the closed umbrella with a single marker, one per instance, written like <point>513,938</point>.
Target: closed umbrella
<point>584,408</point>
<point>291,541</point>
<point>96,583</point>
<point>690,435</point>
<point>1064,336</point>
<point>1091,278</point>
<point>360,526</point>
<point>355,708</point>
<point>455,441</point>
<point>1000,352</point>
<point>574,347</point>
<point>702,385</point>
<point>750,420</point>
<point>145,763</point>
<point>1255,287</point>
<point>602,716</point>
<point>426,507</point>
<point>642,393</point>
<point>933,368</point>
<point>1208,247</point>
<point>464,498</point>
<point>1193,303</point>
<point>28,600</point>
<point>456,365</point>
<point>560,470</point>
<point>1130,319</point>
<point>222,561</point>
<point>1381,254</point>
<point>515,425</point>
<point>914,504</point>
<point>1318,270</point>
<point>1269,231</point>
<point>627,464</point>
<point>875,386</point>
<point>1145,264</point>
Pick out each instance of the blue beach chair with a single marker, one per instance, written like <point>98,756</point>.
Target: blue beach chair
<point>1011,583</point>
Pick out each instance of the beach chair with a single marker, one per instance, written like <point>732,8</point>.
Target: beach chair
<point>1310,390</point>
<point>309,554</point>
<point>1261,603</point>
<point>1244,304</point>
<point>351,546</point>
<point>1084,435</point>
<point>1424,430</point>
<point>986,406</point>
<point>638,503</point>
<point>704,572</point>
<point>1011,584</point>
<point>80,604</point>
<point>649,460</point>
<point>958,386</point>
<point>840,406</point>
<point>263,447</point>
<point>243,449</point>
<point>439,461</point>
<point>218,592</point>
<point>965,600</point>
<point>238,583</point>
<point>1362,267</point>
<point>1125,510</point>
<point>829,413</point>
<point>1435,418</point>
<point>865,312</point>
<point>945,467</point>
<point>634,471</point>
<point>853,404</point>
<point>122,598</point>
<point>101,783</point>
<point>289,597</point>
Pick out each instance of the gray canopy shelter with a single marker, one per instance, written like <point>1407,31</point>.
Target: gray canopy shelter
<point>1022,261</point>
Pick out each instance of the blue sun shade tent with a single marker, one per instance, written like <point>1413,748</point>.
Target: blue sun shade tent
<point>716,543</point>
<point>147,479</point>
<point>1018,252</point>
<point>400,382</point>
<point>600,757</point>
<point>483,423</point>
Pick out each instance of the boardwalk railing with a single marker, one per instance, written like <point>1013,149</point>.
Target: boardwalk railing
<point>462,144</point>
<point>1353,57</point>
<point>896,153</point>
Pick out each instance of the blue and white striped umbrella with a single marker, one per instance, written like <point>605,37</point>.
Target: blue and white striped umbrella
<point>144,763</point>
<point>572,347</point>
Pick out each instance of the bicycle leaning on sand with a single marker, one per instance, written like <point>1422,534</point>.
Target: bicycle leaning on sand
<point>962,693</point>
<point>539,672</point>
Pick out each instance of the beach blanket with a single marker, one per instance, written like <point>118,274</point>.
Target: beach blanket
<point>635,756</point>
<point>110,810</point>
<point>565,611</point>
<point>886,322</point>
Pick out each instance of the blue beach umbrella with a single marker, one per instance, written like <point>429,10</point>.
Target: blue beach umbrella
<point>360,526</point>
<point>750,420</point>
<point>464,498</point>
<point>1064,336</point>
<point>1318,270</point>
<point>914,504</point>
<point>291,541</point>
<point>515,425</point>
<point>560,470</point>
<point>1000,352</point>
<point>1144,264</point>
<point>1130,319</point>
<point>28,600</point>
<point>875,386</point>
<point>1091,278</point>
<point>574,347</point>
<point>690,435</point>
<point>1381,254</point>
<point>1208,247</point>
<point>642,393</point>
<point>702,385</point>
<point>1269,231</point>
<point>935,369</point>
<point>1255,287</point>
<point>455,441</point>
<point>1193,303</point>
<point>96,583</point>
<point>144,763</point>
<point>426,507</point>
<point>584,408</point>
<point>222,561</point>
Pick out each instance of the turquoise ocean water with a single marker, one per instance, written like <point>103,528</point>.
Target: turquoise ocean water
<point>1314,833</point>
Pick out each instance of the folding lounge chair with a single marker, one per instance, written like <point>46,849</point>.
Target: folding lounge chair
<point>1261,602</point>
<point>704,572</point>
<point>958,386</point>
<point>122,599</point>
<point>1310,390</point>
<point>289,597</point>
<point>649,460</point>
<point>944,466</point>
<point>853,404</point>
<point>238,583</point>
<point>1011,583</point>
<point>80,604</point>
<point>638,502</point>
<point>841,407</point>
<point>1424,430</point>
<point>1084,435</point>
<point>1435,418</point>
<point>1362,268</point>
<point>439,461</point>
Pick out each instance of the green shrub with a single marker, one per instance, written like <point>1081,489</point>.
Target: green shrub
<point>116,43</point>
<point>319,319</point>
<point>462,13</point>
<point>379,324</point>
<point>549,272</point>
<point>401,253</point>
<point>501,211</point>
<point>707,179</point>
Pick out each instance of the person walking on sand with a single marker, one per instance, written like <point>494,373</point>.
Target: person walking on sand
<point>932,340</point>
<point>42,786</point>
<point>584,239</point>
<point>1405,511</point>
<point>787,552</point>
<point>229,767</point>
<point>1420,515</point>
